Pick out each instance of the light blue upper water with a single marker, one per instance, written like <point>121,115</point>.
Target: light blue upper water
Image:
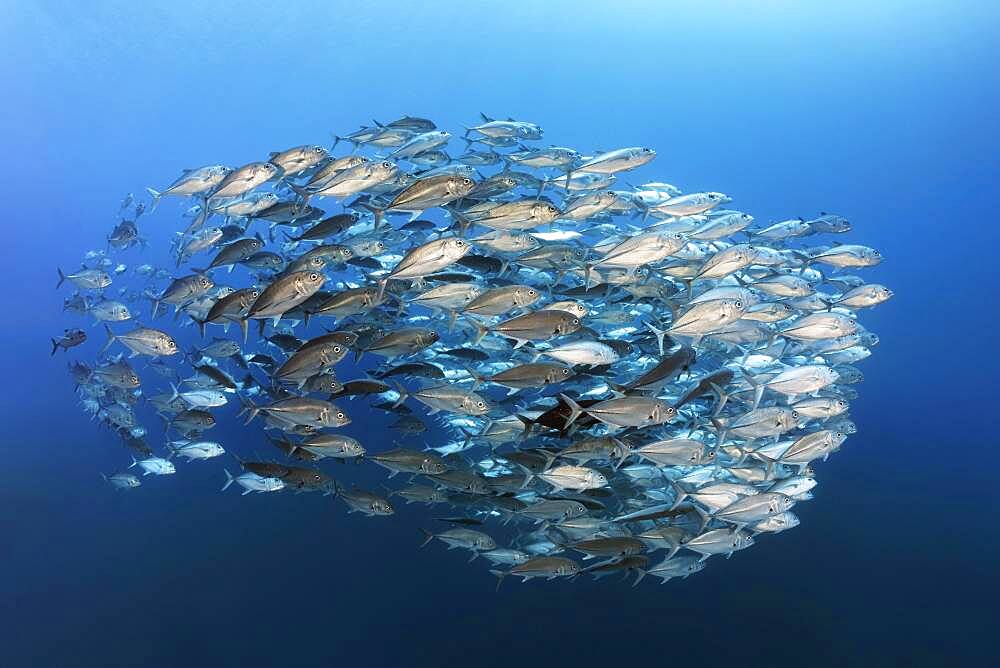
<point>884,112</point>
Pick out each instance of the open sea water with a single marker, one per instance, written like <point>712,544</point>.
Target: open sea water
<point>884,112</point>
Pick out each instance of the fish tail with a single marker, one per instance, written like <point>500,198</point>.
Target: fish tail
<point>403,394</point>
<point>55,347</point>
<point>111,338</point>
<point>481,331</point>
<point>156,195</point>
<point>229,479</point>
<point>200,219</point>
<point>528,424</point>
<point>500,575</point>
<point>574,408</point>
<point>428,536</point>
<point>173,388</point>
<point>377,215</point>
<point>201,325</point>
<point>250,409</point>
<point>134,462</point>
<point>758,387</point>
<point>477,379</point>
<point>679,494</point>
<point>62,277</point>
<point>659,333</point>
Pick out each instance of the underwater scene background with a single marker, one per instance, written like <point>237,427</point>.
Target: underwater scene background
<point>882,112</point>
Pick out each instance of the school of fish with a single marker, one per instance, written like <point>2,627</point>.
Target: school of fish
<point>623,379</point>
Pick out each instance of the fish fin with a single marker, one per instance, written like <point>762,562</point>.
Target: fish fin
<point>155,195</point>
<point>481,330</point>
<point>575,410</point>
<point>500,575</point>
<point>477,379</point>
<point>250,408</point>
<point>659,333</point>
<point>679,494</point>
<point>403,394</point>
<point>428,536</point>
<point>111,338</point>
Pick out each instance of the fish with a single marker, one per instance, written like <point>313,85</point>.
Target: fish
<point>594,377</point>
<point>122,480</point>
<point>69,339</point>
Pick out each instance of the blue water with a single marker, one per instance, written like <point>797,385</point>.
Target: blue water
<point>885,112</point>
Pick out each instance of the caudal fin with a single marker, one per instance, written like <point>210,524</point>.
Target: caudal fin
<point>250,409</point>
<point>574,408</point>
<point>156,195</point>
<point>62,277</point>
<point>659,333</point>
<point>229,480</point>
<point>111,338</point>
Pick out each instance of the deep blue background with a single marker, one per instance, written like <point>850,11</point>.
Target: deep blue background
<point>885,112</point>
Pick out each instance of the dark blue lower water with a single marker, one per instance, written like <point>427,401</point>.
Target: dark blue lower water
<point>883,112</point>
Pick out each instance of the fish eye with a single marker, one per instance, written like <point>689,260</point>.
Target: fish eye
<point>565,372</point>
<point>316,476</point>
<point>739,304</point>
<point>340,415</point>
<point>336,349</point>
<point>480,404</point>
<point>314,276</point>
<point>576,321</point>
<point>466,182</point>
<point>386,164</point>
<point>459,242</point>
